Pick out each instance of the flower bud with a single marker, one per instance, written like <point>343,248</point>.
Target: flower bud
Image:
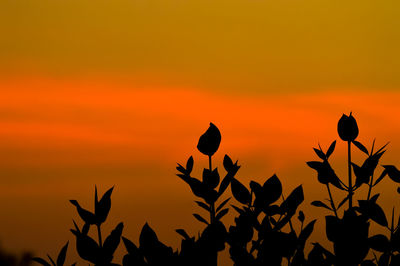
<point>209,141</point>
<point>347,128</point>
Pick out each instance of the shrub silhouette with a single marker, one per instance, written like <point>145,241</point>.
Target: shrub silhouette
<point>263,232</point>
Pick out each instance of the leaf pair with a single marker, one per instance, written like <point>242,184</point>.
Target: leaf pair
<point>101,209</point>
<point>266,194</point>
<point>88,249</point>
<point>60,258</point>
<point>150,252</point>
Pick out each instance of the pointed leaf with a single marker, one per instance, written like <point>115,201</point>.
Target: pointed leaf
<point>201,219</point>
<point>360,147</point>
<point>112,241</point>
<point>41,261</point>
<point>331,149</point>
<point>306,232</point>
<point>379,243</point>
<point>320,154</point>
<point>189,165</point>
<point>51,260</point>
<point>240,192</point>
<point>272,190</point>
<point>182,233</point>
<point>203,205</point>
<point>318,203</point>
<point>393,173</point>
<point>222,204</point>
<point>103,207</point>
<point>373,211</point>
<point>62,255</point>
<point>221,214</point>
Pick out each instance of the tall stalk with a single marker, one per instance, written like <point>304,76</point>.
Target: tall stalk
<point>350,189</point>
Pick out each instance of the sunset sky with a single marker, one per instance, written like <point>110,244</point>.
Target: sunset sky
<point>117,92</point>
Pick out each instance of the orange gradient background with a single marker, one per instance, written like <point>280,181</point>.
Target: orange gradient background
<point>116,93</point>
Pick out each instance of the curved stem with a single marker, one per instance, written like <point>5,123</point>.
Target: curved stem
<point>331,198</point>
<point>349,166</point>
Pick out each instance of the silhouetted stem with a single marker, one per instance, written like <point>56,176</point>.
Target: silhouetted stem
<point>99,233</point>
<point>370,186</point>
<point>290,220</point>
<point>212,218</point>
<point>349,166</point>
<point>331,198</point>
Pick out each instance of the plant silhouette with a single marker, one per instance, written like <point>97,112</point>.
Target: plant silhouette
<point>263,232</point>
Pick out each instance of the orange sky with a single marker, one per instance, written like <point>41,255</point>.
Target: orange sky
<point>117,92</point>
<point>55,144</point>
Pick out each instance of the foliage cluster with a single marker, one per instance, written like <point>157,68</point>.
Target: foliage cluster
<point>264,231</point>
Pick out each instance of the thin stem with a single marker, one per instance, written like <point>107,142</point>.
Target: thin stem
<point>331,198</point>
<point>370,186</point>
<point>212,205</point>
<point>290,220</point>
<point>99,233</point>
<point>349,166</point>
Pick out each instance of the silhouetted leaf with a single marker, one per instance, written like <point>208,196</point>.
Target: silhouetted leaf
<point>379,243</point>
<point>360,147</point>
<point>211,178</point>
<point>87,216</point>
<point>392,172</point>
<point>222,204</point>
<point>320,154</point>
<point>361,175</point>
<point>272,190</point>
<point>181,169</point>
<point>331,149</point>
<point>301,216</point>
<point>373,211</point>
<point>325,173</point>
<point>318,203</point>
<point>201,219</point>
<point>112,241</point>
<point>183,233</point>
<point>130,246</point>
<point>343,201</point>
<point>209,142</point>
<point>203,205</point>
<point>41,261</point>
<point>384,173</point>
<point>62,255</point>
<point>51,260</point>
<point>306,232</point>
<point>87,248</point>
<point>240,192</point>
<point>228,164</point>
<point>189,165</point>
<point>222,213</point>
<point>293,200</point>
<point>239,210</point>
<point>228,178</point>
<point>102,207</point>
<point>374,197</point>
